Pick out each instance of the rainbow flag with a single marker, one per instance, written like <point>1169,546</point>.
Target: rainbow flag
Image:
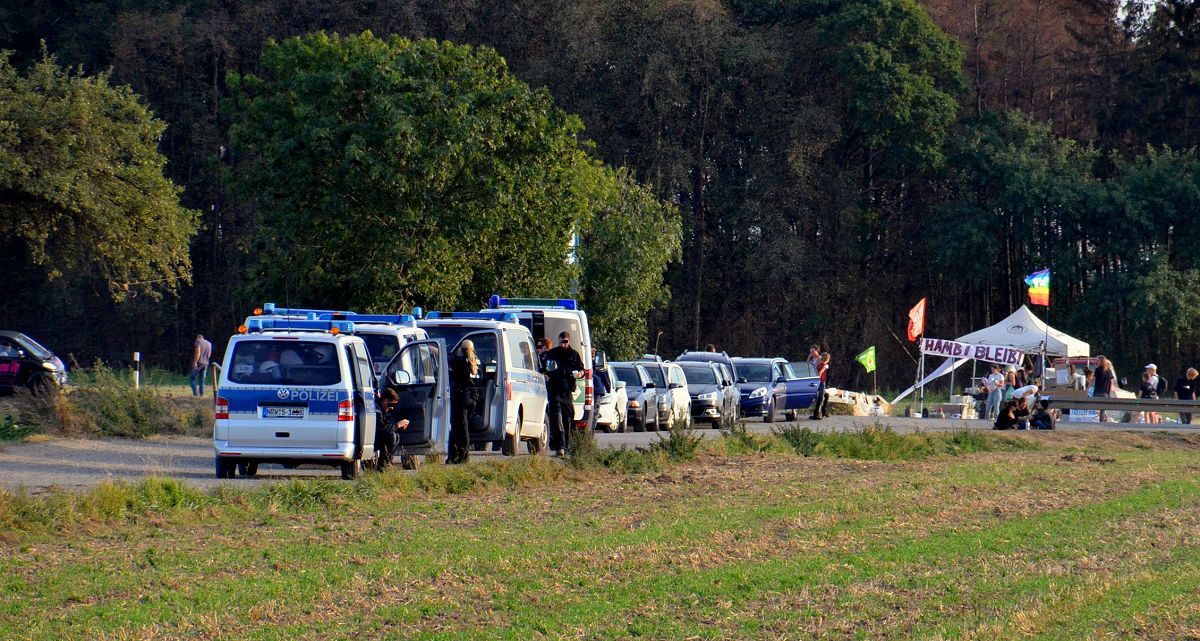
<point>1039,287</point>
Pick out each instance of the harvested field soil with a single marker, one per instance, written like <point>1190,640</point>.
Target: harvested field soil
<point>1090,536</point>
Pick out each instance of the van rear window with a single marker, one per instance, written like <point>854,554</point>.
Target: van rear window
<point>280,362</point>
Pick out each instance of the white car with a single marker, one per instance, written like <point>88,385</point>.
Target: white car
<point>613,407</point>
<point>674,401</point>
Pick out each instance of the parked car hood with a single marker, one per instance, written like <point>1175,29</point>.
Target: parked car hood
<point>746,388</point>
<point>695,389</point>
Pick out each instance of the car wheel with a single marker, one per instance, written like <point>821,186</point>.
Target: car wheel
<point>769,412</point>
<point>512,442</point>
<point>226,469</point>
<point>351,469</point>
<point>248,470</point>
<point>639,426</point>
<point>610,428</point>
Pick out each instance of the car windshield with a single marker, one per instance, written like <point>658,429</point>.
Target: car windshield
<point>629,375</point>
<point>381,347</point>
<point>656,375</point>
<point>451,335</point>
<point>285,362</point>
<point>700,375</point>
<point>755,372</point>
<point>36,347</point>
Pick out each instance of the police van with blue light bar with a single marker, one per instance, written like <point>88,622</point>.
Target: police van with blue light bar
<point>512,390</point>
<point>296,391</point>
<point>546,318</point>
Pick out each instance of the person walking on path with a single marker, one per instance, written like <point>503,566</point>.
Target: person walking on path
<point>1185,390</point>
<point>560,383</point>
<point>994,384</point>
<point>821,402</point>
<point>201,354</point>
<point>464,371</point>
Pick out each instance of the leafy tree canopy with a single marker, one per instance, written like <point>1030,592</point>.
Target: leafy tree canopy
<point>391,172</point>
<point>81,181</point>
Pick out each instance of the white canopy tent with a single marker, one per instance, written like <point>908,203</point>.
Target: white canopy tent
<point>1026,332</point>
<point>1021,330</point>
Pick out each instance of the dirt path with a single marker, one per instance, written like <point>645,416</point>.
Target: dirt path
<point>83,463</point>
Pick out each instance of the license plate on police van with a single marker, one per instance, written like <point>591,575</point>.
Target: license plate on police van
<point>283,412</point>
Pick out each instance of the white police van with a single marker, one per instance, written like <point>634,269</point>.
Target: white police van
<point>385,334</point>
<point>512,394</point>
<point>295,392</point>
<point>547,318</point>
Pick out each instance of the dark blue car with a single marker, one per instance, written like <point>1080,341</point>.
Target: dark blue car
<point>769,386</point>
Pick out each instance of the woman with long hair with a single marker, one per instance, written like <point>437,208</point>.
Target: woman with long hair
<point>1103,385</point>
<point>464,372</point>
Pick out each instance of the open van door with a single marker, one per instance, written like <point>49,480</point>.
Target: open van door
<point>490,417</point>
<point>420,375</point>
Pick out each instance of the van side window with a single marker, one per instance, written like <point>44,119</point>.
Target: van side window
<point>527,358</point>
<point>366,374</point>
<point>512,342</point>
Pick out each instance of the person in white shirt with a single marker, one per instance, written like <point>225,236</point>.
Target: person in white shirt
<point>994,384</point>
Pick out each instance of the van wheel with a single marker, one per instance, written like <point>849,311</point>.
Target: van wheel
<point>409,462</point>
<point>512,442</point>
<point>226,469</point>
<point>248,470</point>
<point>351,469</point>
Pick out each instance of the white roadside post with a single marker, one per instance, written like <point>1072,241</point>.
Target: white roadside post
<point>137,370</point>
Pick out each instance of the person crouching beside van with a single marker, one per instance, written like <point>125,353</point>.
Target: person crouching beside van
<point>464,371</point>
<point>389,423</point>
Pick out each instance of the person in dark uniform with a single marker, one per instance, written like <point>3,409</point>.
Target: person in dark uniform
<point>1185,390</point>
<point>386,427</point>
<point>560,384</point>
<point>464,372</point>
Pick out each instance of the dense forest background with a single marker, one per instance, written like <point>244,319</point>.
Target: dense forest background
<point>833,161</point>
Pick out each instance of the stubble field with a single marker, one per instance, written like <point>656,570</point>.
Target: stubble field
<point>1076,536</point>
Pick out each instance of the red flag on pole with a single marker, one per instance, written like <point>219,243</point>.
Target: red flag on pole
<point>916,320</point>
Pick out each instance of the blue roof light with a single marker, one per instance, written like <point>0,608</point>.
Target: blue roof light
<point>390,319</point>
<point>499,302</point>
<point>269,309</point>
<point>277,323</point>
<point>504,317</point>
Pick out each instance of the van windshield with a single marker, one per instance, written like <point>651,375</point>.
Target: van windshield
<point>285,362</point>
<point>755,372</point>
<point>381,347</point>
<point>700,375</point>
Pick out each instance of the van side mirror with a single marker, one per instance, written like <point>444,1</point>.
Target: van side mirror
<point>401,377</point>
<point>649,385</point>
<point>780,380</point>
<point>490,368</point>
<point>742,379</point>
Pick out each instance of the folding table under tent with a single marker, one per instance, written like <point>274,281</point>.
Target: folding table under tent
<point>1021,330</point>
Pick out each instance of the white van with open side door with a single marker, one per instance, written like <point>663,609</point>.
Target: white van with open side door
<point>546,318</point>
<point>512,394</point>
<point>294,392</point>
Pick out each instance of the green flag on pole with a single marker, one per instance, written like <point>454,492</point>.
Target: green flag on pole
<point>867,359</point>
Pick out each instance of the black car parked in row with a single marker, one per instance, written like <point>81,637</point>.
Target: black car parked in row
<point>25,363</point>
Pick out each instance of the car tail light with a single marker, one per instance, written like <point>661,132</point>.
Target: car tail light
<point>346,410</point>
<point>222,409</point>
<point>589,394</point>
<point>508,391</point>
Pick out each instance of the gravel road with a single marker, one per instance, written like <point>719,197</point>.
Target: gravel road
<point>79,464</point>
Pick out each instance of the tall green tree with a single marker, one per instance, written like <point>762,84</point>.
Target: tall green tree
<point>390,172</point>
<point>82,189</point>
<point>624,254</point>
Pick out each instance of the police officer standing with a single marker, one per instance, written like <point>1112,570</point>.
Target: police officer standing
<point>560,384</point>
